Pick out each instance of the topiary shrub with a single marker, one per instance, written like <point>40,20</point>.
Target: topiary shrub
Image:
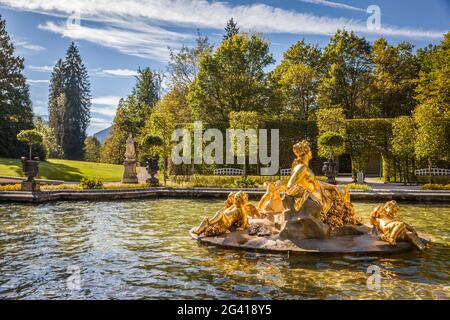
<point>331,144</point>
<point>30,137</point>
<point>94,183</point>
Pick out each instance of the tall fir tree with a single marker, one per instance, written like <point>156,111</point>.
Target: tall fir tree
<point>231,29</point>
<point>69,103</point>
<point>148,87</point>
<point>57,102</point>
<point>15,105</point>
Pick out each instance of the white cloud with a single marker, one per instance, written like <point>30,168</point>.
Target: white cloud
<point>29,46</point>
<point>30,81</point>
<point>100,121</point>
<point>106,100</point>
<point>114,72</point>
<point>152,43</point>
<point>98,124</point>
<point>333,4</point>
<point>40,68</point>
<point>143,27</point>
<point>95,72</point>
<point>104,110</point>
<point>105,106</point>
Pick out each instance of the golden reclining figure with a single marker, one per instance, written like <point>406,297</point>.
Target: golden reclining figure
<point>391,228</point>
<point>234,215</point>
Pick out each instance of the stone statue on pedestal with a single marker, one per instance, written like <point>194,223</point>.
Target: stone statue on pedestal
<point>130,173</point>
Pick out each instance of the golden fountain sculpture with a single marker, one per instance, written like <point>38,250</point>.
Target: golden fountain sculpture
<point>232,216</point>
<point>390,226</point>
<point>305,208</point>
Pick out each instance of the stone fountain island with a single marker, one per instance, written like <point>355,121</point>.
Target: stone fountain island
<point>365,241</point>
<point>306,216</point>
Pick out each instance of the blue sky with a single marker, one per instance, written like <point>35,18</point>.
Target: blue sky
<point>115,37</point>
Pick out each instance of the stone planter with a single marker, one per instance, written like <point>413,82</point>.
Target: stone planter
<point>30,169</point>
<point>329,169</point>
<point>152,169</point>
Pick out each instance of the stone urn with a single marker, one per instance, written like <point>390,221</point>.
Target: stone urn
<point>329,169</point>
<point>30,169</point>
<point>152,169</point>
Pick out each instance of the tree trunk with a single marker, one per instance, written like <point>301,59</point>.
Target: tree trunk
<point>352,161</point>
<point>30,152</point>
<point>429,170</point>
<point>395,170</point>
<point>245,166</point>
<point>406,172</point>
<point>165,170</point>
<point>386,168</point>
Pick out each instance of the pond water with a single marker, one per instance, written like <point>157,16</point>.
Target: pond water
<point>142,250</point>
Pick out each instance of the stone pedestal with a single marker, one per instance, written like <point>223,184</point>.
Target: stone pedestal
<point>130,174</point>
<point>303,224</point>
<point>31,186</point>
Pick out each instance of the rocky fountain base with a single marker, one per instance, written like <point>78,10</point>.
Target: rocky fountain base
<point>346,240</point>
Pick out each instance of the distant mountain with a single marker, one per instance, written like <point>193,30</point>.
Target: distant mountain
<point>103,135</point>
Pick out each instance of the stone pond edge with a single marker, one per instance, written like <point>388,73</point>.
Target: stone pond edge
<point>194,193</point>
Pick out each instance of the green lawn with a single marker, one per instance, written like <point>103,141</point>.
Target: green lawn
<point>66,170</point>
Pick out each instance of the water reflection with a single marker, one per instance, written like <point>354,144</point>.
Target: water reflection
<point>141,249</point>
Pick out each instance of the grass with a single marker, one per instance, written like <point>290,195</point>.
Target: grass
<point>66,170</point>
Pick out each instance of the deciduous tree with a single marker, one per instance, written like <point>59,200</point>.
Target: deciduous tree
<point>232,79</point>
<point>347,82</point>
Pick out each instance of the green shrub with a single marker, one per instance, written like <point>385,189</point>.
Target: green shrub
<point>435,186</point>
<point>94,183</point>
<point>434,179</point>
<point>245,182</point>
<point>221,181</point>
<point>357,186</point>
<point>56,187</point>
<point>127,186</point>
<point>10,187</point>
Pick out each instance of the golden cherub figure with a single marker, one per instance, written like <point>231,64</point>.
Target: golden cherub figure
<point>271,202</point>
<point>250,210</point>
<point>390,226</point>
<point>234,216</point>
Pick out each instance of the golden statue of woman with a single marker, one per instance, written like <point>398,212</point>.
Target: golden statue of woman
<point>226,219</point>
<point>312,207</point>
